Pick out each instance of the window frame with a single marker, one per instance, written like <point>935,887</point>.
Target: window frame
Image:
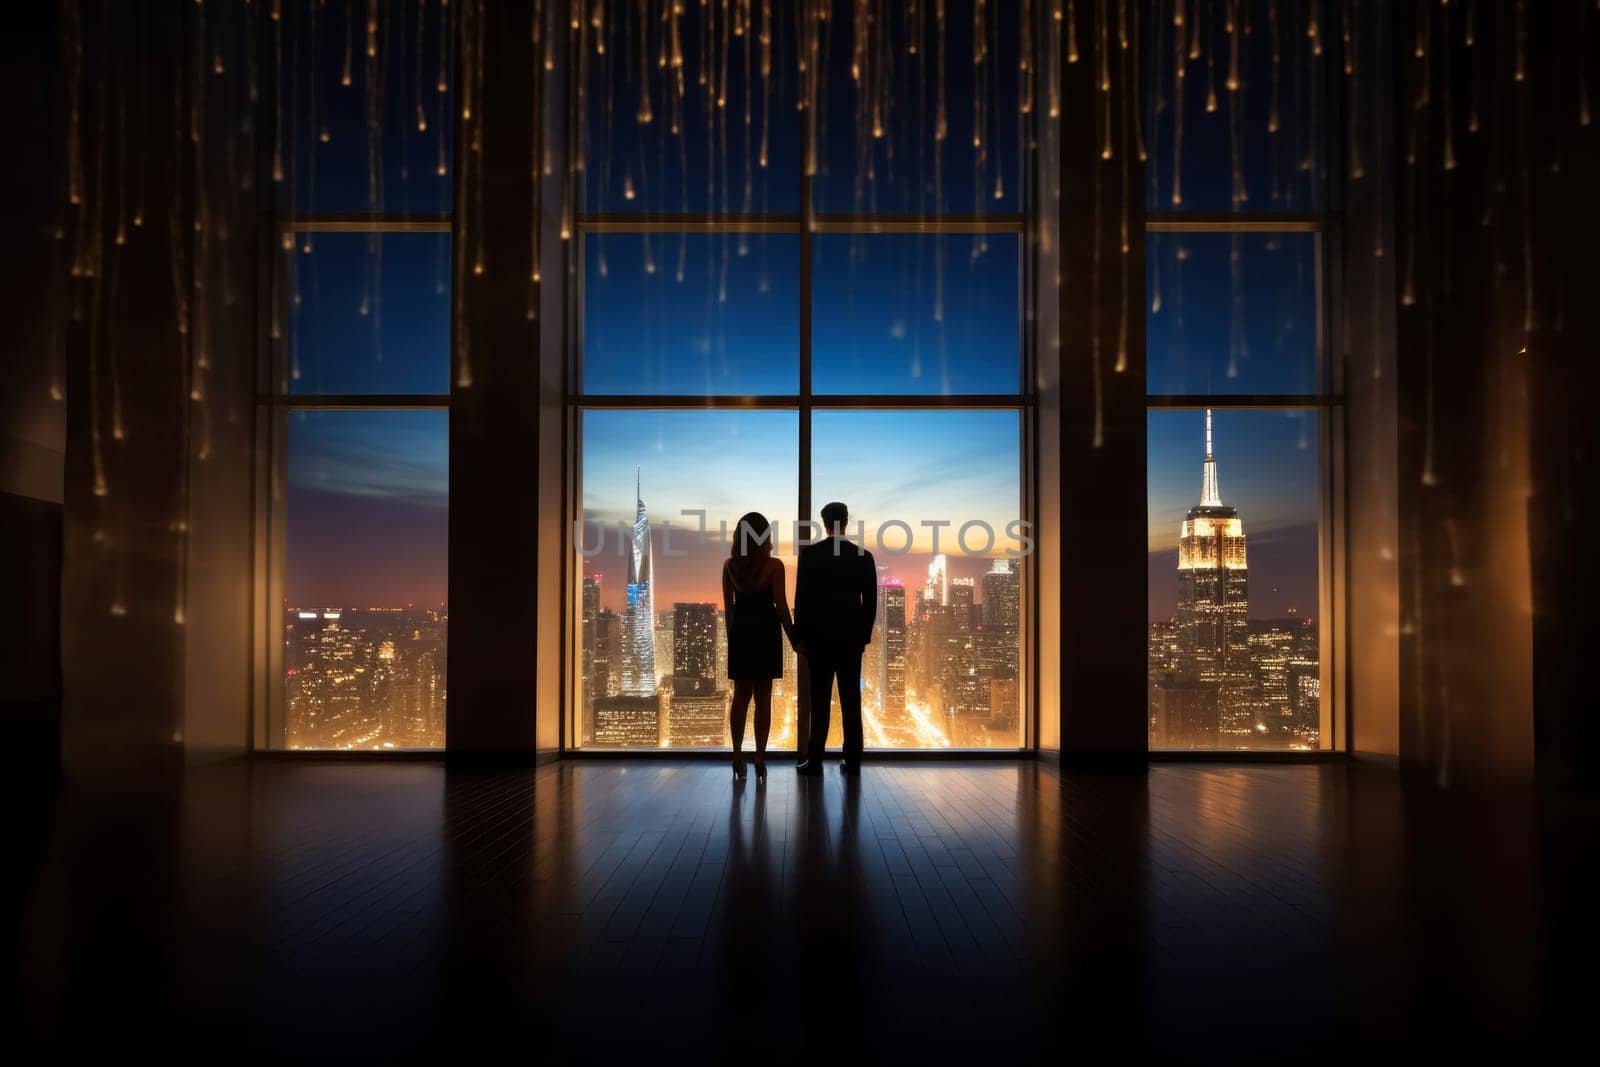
<point>272,405</point>
<point>1327,405</point>
<point>273,408</point>
<point>805,225</point>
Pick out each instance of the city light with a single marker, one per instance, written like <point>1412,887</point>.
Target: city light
<point>941,670</point>
<point>365,678</point>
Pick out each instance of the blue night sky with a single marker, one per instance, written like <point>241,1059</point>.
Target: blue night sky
<point>731,326</point>
<point>920,465</point>
<point>1279,171</point>
<point>906,314</point>
<point>402,342</point>
<point>331,174</point>
<point>1191,343</point>
<point>883,321</point>
<point>367,508</point>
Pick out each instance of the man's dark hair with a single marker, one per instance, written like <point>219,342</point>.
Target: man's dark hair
<point>834,514</point>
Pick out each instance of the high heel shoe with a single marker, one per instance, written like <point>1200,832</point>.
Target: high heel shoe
<point>738,768</point>
<point>761,772</point>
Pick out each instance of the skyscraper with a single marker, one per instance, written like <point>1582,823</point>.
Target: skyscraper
<point>962,598</point>
<point>590,622</point>
<point>638,651</point>
<point>1002,609</point>
<point>938,587</point>
<point>627,722</point>
<point>998,641</point>
<point>891,665</point>
<point>694,649</point>
<point>1206,700</point>
<point>1213,581</point>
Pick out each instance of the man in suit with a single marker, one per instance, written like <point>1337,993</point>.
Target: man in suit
<point>835,603</point>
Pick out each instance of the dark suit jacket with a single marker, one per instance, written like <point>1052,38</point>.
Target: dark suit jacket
<point>835,595</point>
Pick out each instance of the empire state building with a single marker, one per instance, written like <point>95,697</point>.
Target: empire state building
<point>1212,632</point>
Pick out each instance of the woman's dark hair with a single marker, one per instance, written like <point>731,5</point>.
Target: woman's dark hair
<point>752,544</point>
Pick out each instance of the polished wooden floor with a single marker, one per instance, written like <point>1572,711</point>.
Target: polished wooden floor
<point>601,908</point>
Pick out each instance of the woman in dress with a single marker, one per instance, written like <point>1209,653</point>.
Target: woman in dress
<point>755,604</point>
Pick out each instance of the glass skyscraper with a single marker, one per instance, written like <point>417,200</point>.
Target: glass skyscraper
<point>638,652</point>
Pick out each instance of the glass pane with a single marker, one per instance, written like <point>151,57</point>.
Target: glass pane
<point>943,668</point>
<point>365,623</point>
<point>917,118</point>
<point>652,648</point>
<point>659,139</point>
<point>916,314</point>
<point>1234,586</point>
<point>368,313</point>
<point>1247,125</point>
<point>697,314</point>
<point>1231,313</point>
<point>356,91</point>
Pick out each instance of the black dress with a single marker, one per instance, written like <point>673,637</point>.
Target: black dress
<point>755,640</point>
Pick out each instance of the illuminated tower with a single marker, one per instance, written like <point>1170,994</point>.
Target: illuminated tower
<point>694,649</point>
<point>998,650</point>
<point>1212,634</point>
<point>638,640</point>
<point>890,640</point>
<point>594,660</point>
<point>1002,607</point>
<point>938,588</point>
<point>963,602</point>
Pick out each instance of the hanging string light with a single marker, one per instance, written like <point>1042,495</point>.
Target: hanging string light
<point>1583,73</point>
<point>1276,56</point>
<point>1178,78</point>
<point>1447,118</point>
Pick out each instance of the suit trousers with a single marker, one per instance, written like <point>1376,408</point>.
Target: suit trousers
<point>843,664</point>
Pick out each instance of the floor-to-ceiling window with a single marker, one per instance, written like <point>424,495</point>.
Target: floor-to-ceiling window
<point>800,272</point>
<point>354,398</point>
<point>1243,372</point>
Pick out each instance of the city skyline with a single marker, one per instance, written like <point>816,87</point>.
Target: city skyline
<point>922,598</point>
<point>365,678</point>
<point>942,671</point>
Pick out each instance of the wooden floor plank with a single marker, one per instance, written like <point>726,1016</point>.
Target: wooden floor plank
<point>597,906</point>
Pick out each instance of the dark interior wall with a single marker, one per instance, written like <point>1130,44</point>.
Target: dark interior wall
<point>30,627</point>
<point>1562,379</point>
<point>1495,331</point>
<point>32,417</point>
<point>122,640</point>
<point>494,402</point>
<point>1102,413</point>
<point>158,237</point>
<point>224,257</point>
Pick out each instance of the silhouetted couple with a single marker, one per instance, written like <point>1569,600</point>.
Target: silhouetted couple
<point>835,603</point>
